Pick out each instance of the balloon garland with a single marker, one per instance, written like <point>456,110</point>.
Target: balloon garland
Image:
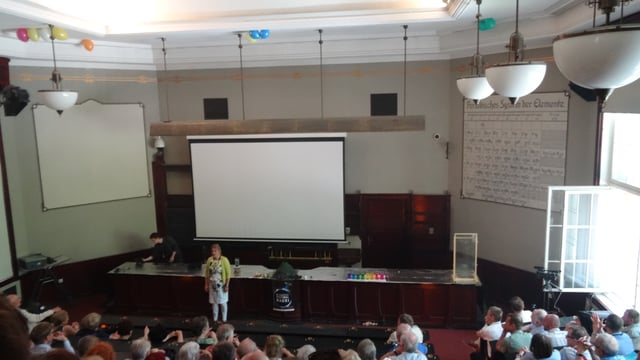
<point>46,33</point>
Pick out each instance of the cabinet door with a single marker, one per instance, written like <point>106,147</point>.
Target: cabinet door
<point>326,300</point>
<point>430,231</point>
<point>384,229</point>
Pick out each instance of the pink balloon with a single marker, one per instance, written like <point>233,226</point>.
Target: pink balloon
<point>22,34</point>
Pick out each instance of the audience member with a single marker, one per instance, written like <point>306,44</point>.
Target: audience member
<point>491,331</point>
<point>140,348</point>
<point>303,352</point>
<point>606,347</point>
<point>124,329</point>
<point>516,339</point>
<point>516,306</point>
<point>226,332</point>
<point>85,343</point>
<point>255,355</point>
<point>58,354</point>
<point>366,349</point>
<point>349,354</point>
<point>205,336</point>
<point>406,319</point>
<point>42,335</point>
<point>574,334</point>
<point>274,348</point>
<point>32,319</point>
<point>90,325</point>
<point>103,349</point>
<point>537,322</point>
<point>224,350</point>
<point>613,326</point>
<point>631,320</point>
<point>246,346</point>
<point>60,321</point>
<point>541,349</point>
<point>189,351</point>
<point>14,335</point>
<point>558,337</point>
<point>408,344</point>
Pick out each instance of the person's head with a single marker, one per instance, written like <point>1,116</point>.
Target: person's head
<point>14,300</point>
<point>494,314</point>
<point>516,304</point>
<point>409,342</point>
<point>85,343</point>
<point>157,334</point>
<point>59,318</point>
<point>225,332</point>
<point>513,322</point>
<point>348,354</point>
<point>14,335</point>
<point>139,349</point>
<point>606,345</point>
<point>541,346</point>
<point>551,321</point>
<point>102,349</point>
<point>60,354</point>
<point>255,355</point>
<point>189,351</point>
<point>630,317</point>
<point>537,316</point>
<point>246,346</point>
<point>273,346</point>
<point>216,251</point>
<point>91,321</point>
<point>304,351</point>
<point>124,327</point>
<point>401,330</point>
<point>156,238</point>
<point>223,351</point>
<point>613,324</point>
<point>575,332</point>
<point>42,333</point>
<point>366,349</point>
<point>199,324</point>
<point>405,319</point>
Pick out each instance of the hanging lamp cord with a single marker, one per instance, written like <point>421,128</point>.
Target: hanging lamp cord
<point>404,96</point>
<point>241,73</point>
<point>166,77</point>
<point>320,42</point>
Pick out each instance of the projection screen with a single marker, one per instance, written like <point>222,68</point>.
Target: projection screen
<point>277,188</point>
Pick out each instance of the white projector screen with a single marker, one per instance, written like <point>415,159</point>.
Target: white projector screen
<point>277,188</point>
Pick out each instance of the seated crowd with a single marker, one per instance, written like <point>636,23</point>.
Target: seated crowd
<point>508,337</point>
<point>50,336</point>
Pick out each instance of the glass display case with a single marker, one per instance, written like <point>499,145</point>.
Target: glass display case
<point>465,257</point>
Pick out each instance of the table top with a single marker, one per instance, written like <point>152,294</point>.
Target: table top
<point>418,276</point>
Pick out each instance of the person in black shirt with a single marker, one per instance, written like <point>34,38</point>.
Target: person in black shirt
<point>165,249</point>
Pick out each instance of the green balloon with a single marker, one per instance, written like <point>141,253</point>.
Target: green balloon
<point>33,34</point>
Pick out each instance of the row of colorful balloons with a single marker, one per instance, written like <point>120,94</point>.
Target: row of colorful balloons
<point>45,33</point>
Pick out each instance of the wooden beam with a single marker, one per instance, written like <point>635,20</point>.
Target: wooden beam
<point>278,126</point>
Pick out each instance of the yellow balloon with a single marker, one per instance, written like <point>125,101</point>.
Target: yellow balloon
<point>249,38</point>
<point>33,34</point>
<point>59,33</point>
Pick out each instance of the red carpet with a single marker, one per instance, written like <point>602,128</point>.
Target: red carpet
<point>449,343</point>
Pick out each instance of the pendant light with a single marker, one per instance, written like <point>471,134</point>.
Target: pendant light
<point>516,78</point>
<point>320,42</point>
<point>602,58</point>
<point>56,98</point>
<point>475,86</point>
<point>241,73</point>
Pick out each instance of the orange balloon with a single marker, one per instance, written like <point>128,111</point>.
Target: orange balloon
<point>88,44</point>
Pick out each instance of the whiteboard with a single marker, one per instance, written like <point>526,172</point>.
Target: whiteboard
<point>512,153</point>
<point>91,153</point>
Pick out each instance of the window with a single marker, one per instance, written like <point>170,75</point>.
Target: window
<point>593,233</point>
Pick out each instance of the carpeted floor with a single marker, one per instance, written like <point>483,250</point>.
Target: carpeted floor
<point>448,343</point>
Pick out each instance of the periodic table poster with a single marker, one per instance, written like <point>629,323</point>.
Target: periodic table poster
<point>512,153</point>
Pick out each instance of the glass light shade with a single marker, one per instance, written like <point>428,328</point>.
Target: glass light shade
<point>474,87</point>
<point>600,58</point>
<point>516,79</point>
<point>58,100</point>
<point>158,143</point>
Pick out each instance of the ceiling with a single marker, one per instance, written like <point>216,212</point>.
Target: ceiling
<point>204,33</point>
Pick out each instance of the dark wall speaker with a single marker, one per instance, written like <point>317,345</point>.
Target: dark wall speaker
<point>15,99</point>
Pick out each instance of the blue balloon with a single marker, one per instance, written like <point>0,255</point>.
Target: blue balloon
<point>264,33</point>
<point>254,34</point>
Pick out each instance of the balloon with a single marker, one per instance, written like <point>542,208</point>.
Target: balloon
<point>254,34</point>
<point>33,34</point>
<point>487,24</point>
<point>264,33</point>
<point>88,44</point>
<point>45,33</point>
<point>249,38</point>
<point>59,33</point>
<point>22,34</point>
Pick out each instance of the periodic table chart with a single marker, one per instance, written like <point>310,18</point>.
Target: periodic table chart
<point>512,153</point>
